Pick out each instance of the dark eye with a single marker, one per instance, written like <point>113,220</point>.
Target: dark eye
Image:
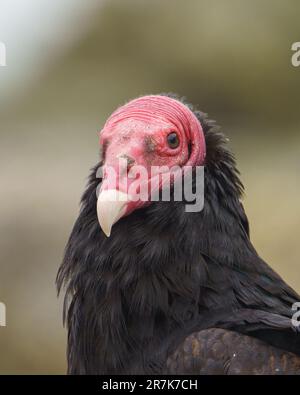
<point>173,140</point>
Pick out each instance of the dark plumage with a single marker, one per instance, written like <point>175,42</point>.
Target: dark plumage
<point>221,351</point>
<point>139,301</point>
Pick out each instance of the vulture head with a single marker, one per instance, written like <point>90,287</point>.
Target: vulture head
<point>144,143</point>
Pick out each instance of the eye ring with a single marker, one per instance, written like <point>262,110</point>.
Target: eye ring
<point>173,140</point>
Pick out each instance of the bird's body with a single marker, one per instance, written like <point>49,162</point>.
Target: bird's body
<point>176,292</point>
<point>223,352</point>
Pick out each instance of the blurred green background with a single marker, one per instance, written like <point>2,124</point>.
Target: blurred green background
<point>69,65</point>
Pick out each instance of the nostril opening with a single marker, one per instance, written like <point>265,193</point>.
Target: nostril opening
<point>130,162</point>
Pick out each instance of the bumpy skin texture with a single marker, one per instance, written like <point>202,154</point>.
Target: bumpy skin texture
<point>218,351</point>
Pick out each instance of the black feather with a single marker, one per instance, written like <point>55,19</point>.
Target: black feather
<point>165,273</point>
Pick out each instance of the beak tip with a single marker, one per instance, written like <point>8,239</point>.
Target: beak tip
<point>110,208</point>
<point>107,233</point>
<point>105,227</point>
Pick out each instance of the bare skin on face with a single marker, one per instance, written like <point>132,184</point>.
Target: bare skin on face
<point>153,131</point>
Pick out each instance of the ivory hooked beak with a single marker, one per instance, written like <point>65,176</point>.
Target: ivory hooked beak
<point>111,206</point>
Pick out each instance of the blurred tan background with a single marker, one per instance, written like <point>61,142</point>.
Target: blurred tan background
<point>69,65</point>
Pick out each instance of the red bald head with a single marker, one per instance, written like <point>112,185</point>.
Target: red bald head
<point>149,131</point>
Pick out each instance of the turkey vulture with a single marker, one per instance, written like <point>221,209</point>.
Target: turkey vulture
<point>152,288</point>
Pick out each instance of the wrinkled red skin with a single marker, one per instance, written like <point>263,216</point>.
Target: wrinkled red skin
<point>139,130</point>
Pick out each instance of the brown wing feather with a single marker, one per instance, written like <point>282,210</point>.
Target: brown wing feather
<point>219,351</point>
